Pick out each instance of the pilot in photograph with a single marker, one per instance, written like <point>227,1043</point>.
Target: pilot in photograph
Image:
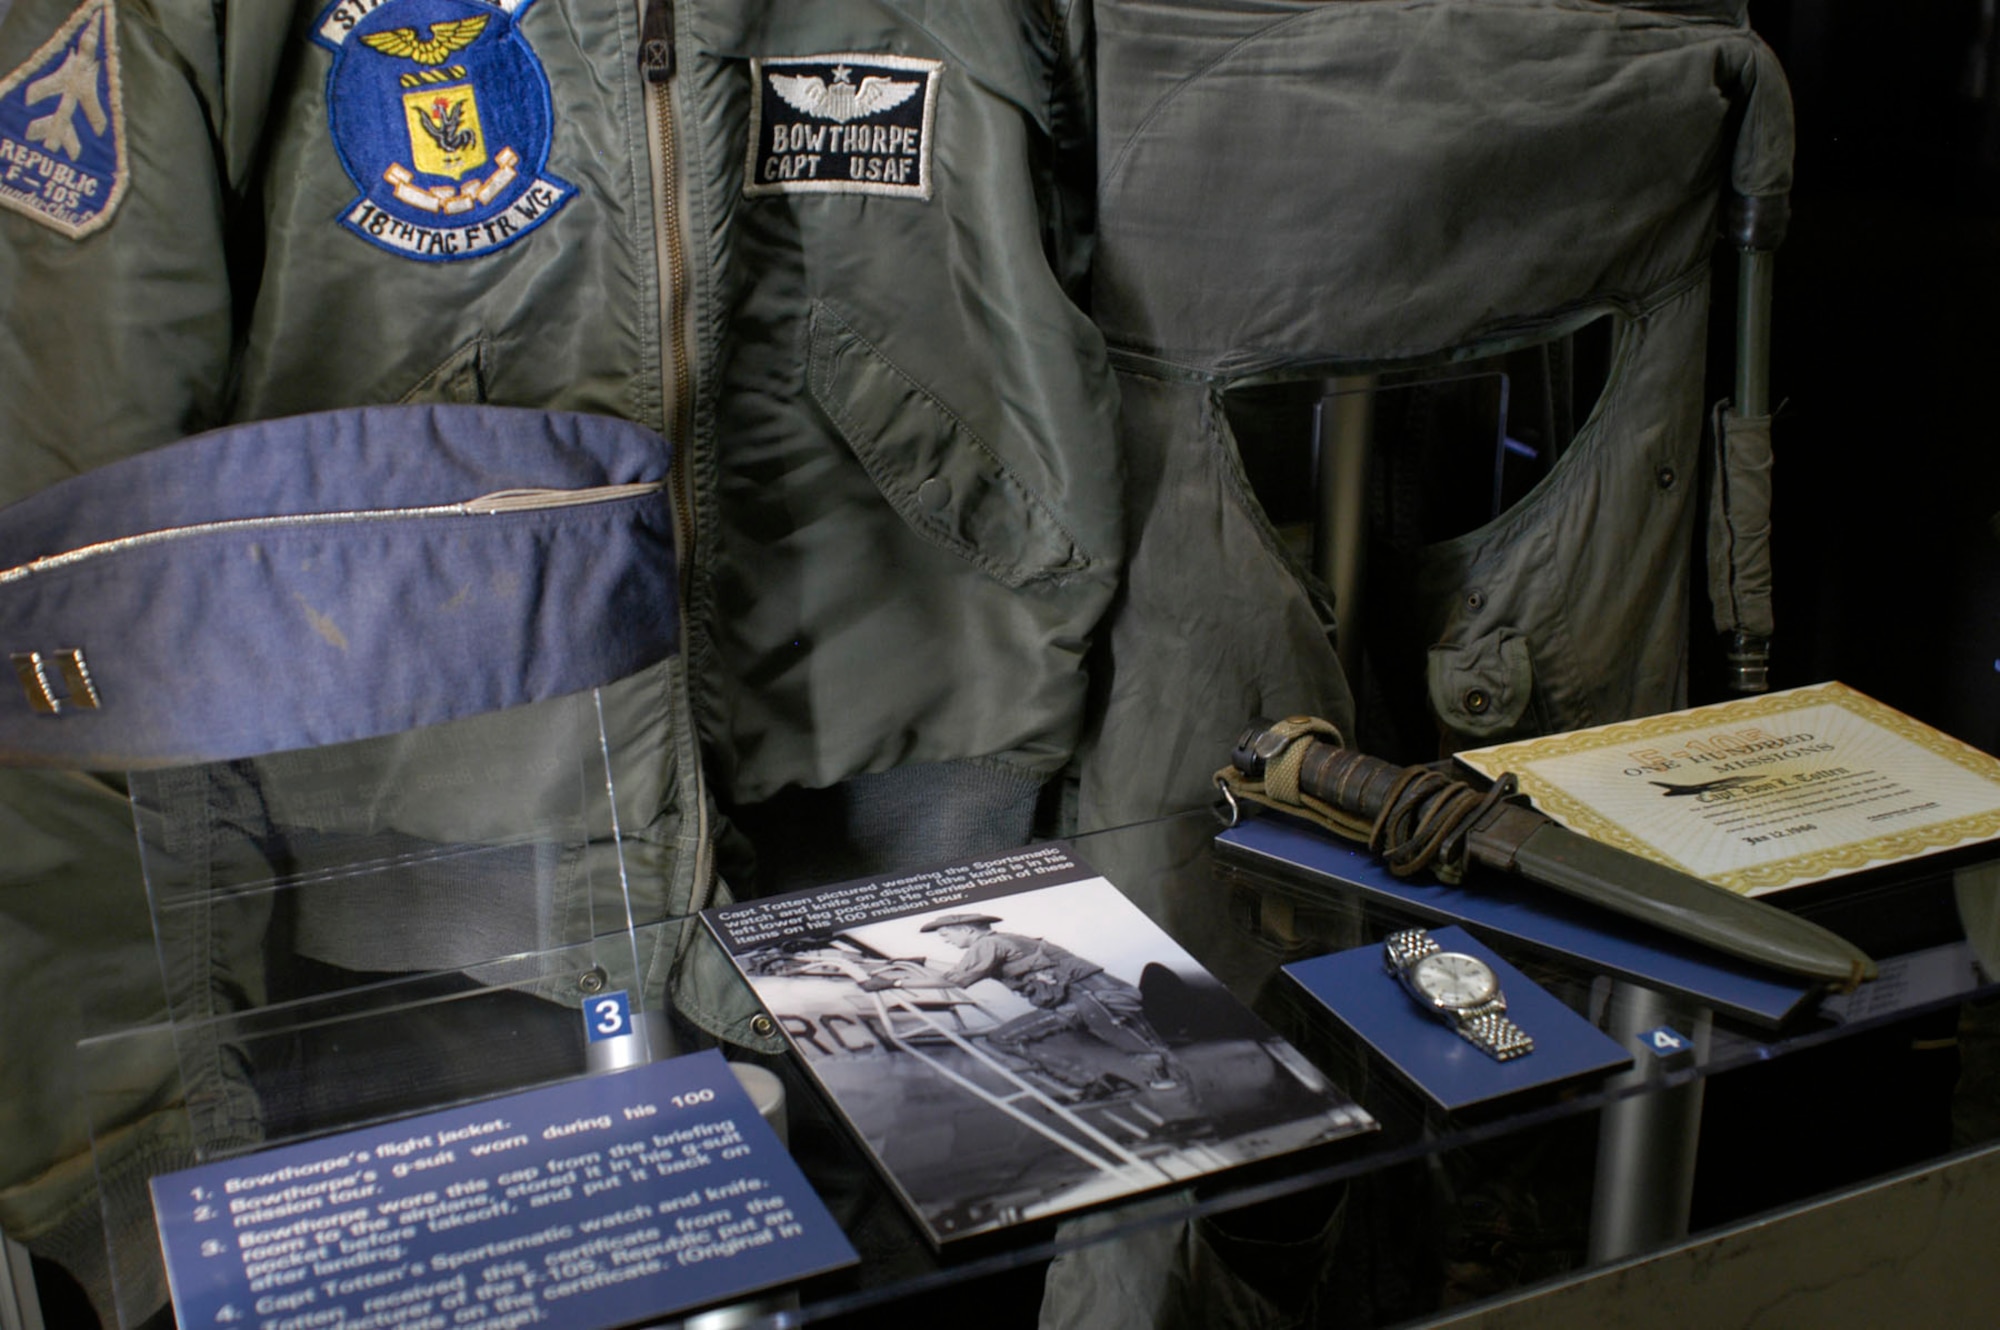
<point>1068,993</point>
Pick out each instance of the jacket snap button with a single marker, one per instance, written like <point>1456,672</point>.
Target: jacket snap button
<point>763,1025</point>
<point>591,981</point>
<point>1476,701</point>
<point>1665,475</point>
<point>934,493</point>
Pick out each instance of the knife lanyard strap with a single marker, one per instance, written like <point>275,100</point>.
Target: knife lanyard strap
<point>1420,825</point>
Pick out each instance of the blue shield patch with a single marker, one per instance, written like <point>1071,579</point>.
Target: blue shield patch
<point>62,126</point>
<point>441,113</point>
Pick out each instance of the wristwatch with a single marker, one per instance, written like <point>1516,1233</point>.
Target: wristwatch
<point>1460,990</point>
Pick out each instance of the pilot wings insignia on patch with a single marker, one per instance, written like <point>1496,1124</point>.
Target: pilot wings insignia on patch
<point>445,39</point>
<point>842,124</point>
<point>841,101</point>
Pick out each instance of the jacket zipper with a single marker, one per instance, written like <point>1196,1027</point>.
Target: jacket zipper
<point>485,505</point>
<point>656,63</point>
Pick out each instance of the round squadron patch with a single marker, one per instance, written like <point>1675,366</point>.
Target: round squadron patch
<point>441,114</point>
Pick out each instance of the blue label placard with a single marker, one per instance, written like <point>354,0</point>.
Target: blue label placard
<point>608,1016</point>
<point>1665,1041</point>
<point>580,1206</point>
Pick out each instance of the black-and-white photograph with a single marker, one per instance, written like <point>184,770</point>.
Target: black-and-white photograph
<point>1011,1056</point>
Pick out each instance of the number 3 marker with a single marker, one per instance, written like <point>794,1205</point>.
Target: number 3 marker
<point>608,1016</point>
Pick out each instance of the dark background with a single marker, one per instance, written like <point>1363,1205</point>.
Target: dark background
<point>1886,354</point>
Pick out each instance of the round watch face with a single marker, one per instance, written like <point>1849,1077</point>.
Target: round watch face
<point>1454,980</point>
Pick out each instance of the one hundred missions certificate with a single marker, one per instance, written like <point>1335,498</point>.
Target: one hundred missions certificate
<point>1763,793</point>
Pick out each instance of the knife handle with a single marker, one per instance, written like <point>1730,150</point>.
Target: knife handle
<point>1351,781</point>
<point>1416,817</point>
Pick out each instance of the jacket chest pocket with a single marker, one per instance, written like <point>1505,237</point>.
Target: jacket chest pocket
<point>934,469</point>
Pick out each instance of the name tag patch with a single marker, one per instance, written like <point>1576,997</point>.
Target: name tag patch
<point>62,126</point>
<point>442,116</point>
<point>842,124</point>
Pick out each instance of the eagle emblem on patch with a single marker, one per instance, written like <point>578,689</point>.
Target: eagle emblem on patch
<point>842,124</point>
<point>441,114</point>
<point>62,126</point>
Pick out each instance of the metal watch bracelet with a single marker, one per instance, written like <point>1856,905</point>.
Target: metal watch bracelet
<point>1486,1028</point>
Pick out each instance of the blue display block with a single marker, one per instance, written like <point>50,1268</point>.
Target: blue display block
<point>1541,918</point>
<point>1357,988</point>
<point>580,1206</point>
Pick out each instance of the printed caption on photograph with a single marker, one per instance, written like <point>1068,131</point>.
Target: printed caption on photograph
<point>829,910</point>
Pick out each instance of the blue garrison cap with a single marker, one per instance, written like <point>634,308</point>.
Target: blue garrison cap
<point>331,577</point>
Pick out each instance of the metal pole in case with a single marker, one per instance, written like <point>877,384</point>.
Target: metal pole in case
<point>1645,1143</point>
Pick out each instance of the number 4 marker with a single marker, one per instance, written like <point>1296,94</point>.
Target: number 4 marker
<point>1664,1040</point>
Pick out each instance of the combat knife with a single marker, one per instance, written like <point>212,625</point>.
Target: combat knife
<point>1418,818</point>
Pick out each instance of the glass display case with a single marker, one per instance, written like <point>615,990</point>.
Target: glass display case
<point>326,1003</point>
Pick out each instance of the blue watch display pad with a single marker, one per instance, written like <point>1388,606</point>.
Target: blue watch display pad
<point>580,1206</point>
<point>1541,918</point>
<point>1357,988</point>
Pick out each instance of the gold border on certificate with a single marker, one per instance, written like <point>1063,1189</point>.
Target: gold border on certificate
<point>1817,763</point>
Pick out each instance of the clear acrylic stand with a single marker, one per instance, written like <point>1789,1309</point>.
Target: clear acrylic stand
<point>357,932</point>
